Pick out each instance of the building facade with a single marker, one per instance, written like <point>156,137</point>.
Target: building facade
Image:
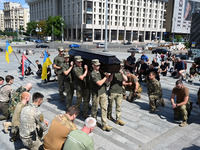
<point>1,20</point>
<point>15,16</point>
<point>128,20</point>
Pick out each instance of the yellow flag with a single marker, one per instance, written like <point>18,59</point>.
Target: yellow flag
<point>8,51</point>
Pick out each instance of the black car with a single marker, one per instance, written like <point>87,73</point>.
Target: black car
<point>160,51</point>
<point>127,43</point>
<point>42,46</point>
<point>1,49</point>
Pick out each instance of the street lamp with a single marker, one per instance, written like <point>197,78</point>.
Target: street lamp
<point>62,30</point>
<point>106,32</point>
<point>37,30</point>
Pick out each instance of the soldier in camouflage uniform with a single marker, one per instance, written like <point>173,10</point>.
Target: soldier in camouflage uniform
<point>16,97</point>
<point>6,92</point>
<point>58,60</point>
<point>133,86</point>
<point>154,92</point>
<point>60,127</point>
<point>180,107</point>
<point>82,89</point>
<point>32,123</point>
<point>99,94</point>
<point>116,94</point>
<point>68,83</point>
<point>25,97</point>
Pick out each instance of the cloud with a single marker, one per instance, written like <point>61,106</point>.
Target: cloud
<point>25,6</point>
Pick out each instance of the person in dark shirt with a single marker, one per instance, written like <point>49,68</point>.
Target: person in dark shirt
<point>167,65</point>
<point>155,64</point>
<point>130,62</point>
<point>163,69</point>
<point>143,69</point>
<point>180,68</point>
<point>193,71</point>
<point>39,67</point>
<point>152,69</point>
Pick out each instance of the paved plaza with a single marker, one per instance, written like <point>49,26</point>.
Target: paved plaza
<point>142,130</point>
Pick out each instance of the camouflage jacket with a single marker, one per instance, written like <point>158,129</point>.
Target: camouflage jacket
<point>6,92</point>
<point>30,118</point>
<point>154,87</point>
<point>16,98</point>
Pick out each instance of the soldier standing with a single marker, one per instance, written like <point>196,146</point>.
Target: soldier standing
<point>154,92</point>
<point>32,123</point>
<point>68,83</point>
<point>80,82</point>
<point>99,94</point>
<point>182,100</point>
<point>116,94</point>
<point>58,60</point>
<point>133,86</point>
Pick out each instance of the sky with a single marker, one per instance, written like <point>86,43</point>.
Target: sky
<point>22,2</point>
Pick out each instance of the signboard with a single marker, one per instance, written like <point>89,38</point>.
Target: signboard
<point>182,16</point>
<point>193,44</point>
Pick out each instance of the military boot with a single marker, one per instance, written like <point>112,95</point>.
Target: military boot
<point>98,124</point>
<point>110,117</point>
<point>162,102</point>
<point>120,122</point>
<point>152,110</point>
<point>183,124</point>
<point>6,125</point>
<point>106,128</point>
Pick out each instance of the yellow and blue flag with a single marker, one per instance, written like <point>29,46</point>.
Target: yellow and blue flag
<point>8,51</point>
<point>46,63</point>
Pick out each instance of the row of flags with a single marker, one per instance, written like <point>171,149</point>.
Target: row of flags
<point>26,62</point>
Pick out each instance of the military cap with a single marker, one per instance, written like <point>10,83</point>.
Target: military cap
<point>78,58</point>
<point>66,55</point>
<point>96,62</point>
<point>61,49</point>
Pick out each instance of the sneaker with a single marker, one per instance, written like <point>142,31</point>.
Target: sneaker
<point>183,124</point>
<point>106,128</point>
<point>98,124</point>
<point>120,122</point>
<point>110,117</point>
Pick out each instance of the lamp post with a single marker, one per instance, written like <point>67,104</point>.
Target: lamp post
<point>106,32</point>
<point>62,30</point>
<point>173,28</point>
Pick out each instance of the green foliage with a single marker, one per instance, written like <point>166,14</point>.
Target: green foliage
<point>8,33</point>
<point>178,37</point>
<point>31,26</point>
<point>187,44</point>
<point>21,29</point>
<point>55,24</point>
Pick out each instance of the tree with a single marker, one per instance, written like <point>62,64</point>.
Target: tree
<point>21,29</point>
<point>178,37</point>
<point>30,28</point>
<point>43,26</point>
<point>55,23</point>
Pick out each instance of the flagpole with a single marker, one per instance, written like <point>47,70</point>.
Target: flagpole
<point>16,57</point>
<point>32,64</point>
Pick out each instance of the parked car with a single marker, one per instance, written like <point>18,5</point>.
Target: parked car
<point>74,46</point>
<point>149,46</point>
<point>38,41</point>
<point>160,51</point>
<point>136,50</point>
<point>100,45</point>
<point>42,46</point>
<point>1,49</point>
<point>32,40</point>
<point>127,43</point>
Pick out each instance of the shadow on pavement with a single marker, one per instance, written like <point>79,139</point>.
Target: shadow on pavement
<point>193,147</point>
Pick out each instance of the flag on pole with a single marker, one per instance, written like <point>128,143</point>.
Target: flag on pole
<point>8,51</point>
<point>46,63</point>
<point>25,64</point>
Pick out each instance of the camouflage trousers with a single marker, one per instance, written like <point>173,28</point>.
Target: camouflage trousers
<point>153,99</point>
<point>32,144</point>
<point>85,95</point>
<point>102,100</point>
<point>69,89</point>
<point>181,112</point>
<point>4,110</point>
<point>132,97</point>
<point>118,98</point>
<point>61,86</point>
